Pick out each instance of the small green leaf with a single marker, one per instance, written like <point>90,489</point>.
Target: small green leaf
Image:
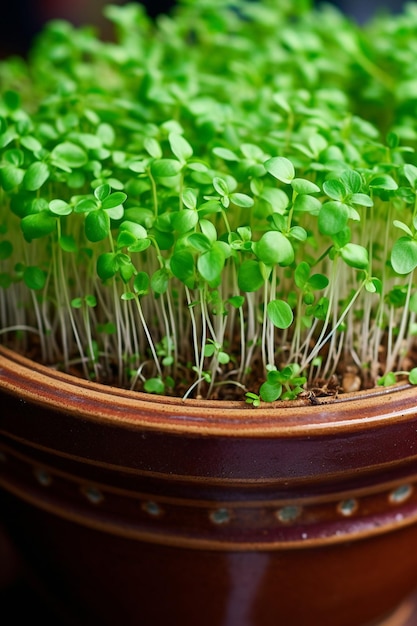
<point>361,199</point>
<point>76,303</point>
<point>241,199</point>
<point>333,217</point>
<point>280,168</point>
<point>69,154</point>
<point>393,141</point>
<point>125,239</point>
<point>60,207</point>
<point>388,380</point>
<point>31,143</point>
<point>180,147</point>
<point>270,392</point>
<point>208,229</point>
<point>252,398</point>
<point>165,168</point>
<point>160,280</point>
<point>6,250</point>
<point>126,270</point>
<point>85,205</point>
<point>250,276</point>
<point>91,301</point>
<point>335,189</point>
<point>67,243</point>
<point>127,296</point>
<point>36,175</point>
<point>274,249</point>
<point>210,264</point>
<point>211,206</point>
<point>317,282</point>
<point>141,283</point>
<point>185,220</point>
<point>412,377</point>
<point>385,182</point>
<point>11,177</point>
<point>352,181</point>
<point>302,274</point>
<point>404,255</point>
<point>280,313</point>
<point>97,225</point>
<point>304,203</point>
<point>225,154</point>
<point>355,256</point>
<point>154,385</point>
<point>282,102</point>
<point>277,198</point>
<point>113,200</point>
<point>106,265</point>
<point>373,285</point>
<point>12,99</point>
<point>410,172</point>
<point>236,301</point>
<point>37,225</point>
<point>304,186</point>
<point>102,192</point>
<point>298,233</point>
<point>34,278</point>
<point>223,357</point>
<point>200,242</point>
<point>189,198</point>
<point>220,185</point>
<point>152,147</point>
<point>136,230</point>
<point>209,349</point>
<point>140,245</point>
<point>403,227</point>
<point>182,266</point>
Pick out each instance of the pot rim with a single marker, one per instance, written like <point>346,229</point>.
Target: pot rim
<point>45,386</point>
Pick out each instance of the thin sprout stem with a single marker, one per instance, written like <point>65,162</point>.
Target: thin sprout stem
<point>203,338</point>
<point>319,345</point>
<point>394,352</point>
<point>193,326</point>
<point>264,327</point>
<point>148,335</point>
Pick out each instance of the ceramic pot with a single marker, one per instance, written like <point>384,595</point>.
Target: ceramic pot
<point>134,509</point>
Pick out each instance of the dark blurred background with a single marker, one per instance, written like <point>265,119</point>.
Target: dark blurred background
<point>20,20</point>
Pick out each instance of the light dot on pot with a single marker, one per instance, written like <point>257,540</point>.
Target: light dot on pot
<point>288,513</point>
<point>400,494</point>
<point>93,494</point>
<point>43,476</point>
<point>152,508</point>
<point>220,516</point>
<point>348,507</point>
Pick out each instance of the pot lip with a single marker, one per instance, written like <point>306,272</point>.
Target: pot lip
<point>361,410</point>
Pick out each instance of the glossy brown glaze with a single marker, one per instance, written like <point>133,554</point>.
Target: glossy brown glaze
<point>210,513</point>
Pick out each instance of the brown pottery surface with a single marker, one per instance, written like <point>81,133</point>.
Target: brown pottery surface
<point>139,510</point>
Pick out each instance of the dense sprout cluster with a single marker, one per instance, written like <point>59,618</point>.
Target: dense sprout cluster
<point>223,199</point>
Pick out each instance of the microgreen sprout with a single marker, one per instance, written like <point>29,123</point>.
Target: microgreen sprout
<point>214,202</point>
